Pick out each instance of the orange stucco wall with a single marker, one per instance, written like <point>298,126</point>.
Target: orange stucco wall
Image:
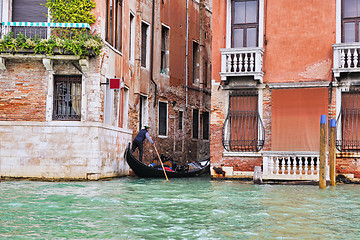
<point>218,36</point>
<point>299,37</point>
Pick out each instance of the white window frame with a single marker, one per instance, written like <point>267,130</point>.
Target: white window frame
<point>167,50</point>
<point>108,103</point>
<point>132,38</point>
<point>261,24</point>
<point>144,110</point>
<point>167,119</point>
<point>147,65</point>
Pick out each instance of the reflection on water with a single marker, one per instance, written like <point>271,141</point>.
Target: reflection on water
<point>132,208</point>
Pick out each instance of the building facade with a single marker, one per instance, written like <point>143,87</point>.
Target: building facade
<point>277,67</point>
<point>71,116</point>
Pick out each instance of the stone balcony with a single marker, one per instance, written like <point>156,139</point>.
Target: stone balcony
<point>242,62</point>
<point>346,58</point>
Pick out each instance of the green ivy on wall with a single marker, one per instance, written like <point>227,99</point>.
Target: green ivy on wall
<point>71,11</point>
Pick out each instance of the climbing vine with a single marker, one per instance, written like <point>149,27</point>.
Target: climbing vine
<point>72,11</point>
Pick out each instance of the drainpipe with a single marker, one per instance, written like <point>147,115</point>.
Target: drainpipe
<point>152,51</point>
<point>201,50</point>
<point>187,52</point>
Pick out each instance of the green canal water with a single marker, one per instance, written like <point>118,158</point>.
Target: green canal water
<point>131,208</point>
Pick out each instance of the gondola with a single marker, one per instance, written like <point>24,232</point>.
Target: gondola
<point>144,171</point>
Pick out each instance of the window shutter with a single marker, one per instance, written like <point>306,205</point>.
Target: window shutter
<point>29,11</point>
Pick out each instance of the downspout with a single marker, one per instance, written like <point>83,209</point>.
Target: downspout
<point>201,51</point>
<point>187,53</point>
<point>152,51</point>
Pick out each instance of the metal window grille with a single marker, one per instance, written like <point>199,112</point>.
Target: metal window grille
<point>243,129</point>
<point>348,138</point>
<point>67,98</point>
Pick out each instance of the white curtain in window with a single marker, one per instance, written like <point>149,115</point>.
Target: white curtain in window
<point>76,97</point>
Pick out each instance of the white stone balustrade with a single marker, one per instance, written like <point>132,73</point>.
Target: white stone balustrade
<point>291,166</point>
<point>242,62</point>
<point>346,58</point>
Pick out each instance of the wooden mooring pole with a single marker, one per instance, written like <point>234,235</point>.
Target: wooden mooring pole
<point>322,172</point>
<point>332,151</point>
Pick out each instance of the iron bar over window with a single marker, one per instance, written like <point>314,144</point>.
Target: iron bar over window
<point>243,129</point>
<point>349,121</point>
<point>67,98</point>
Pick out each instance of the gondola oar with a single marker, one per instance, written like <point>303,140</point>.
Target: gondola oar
<point>162,165</point>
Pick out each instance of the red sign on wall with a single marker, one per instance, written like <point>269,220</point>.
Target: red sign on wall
<point>114,83</point>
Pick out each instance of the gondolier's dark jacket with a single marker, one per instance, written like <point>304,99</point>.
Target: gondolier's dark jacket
<point>142,135</point>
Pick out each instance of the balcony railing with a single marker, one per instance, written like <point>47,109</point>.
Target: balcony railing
<point>346,58</point>
<point>242,62</point>
<point>291,166</point>
<point>42,30</point>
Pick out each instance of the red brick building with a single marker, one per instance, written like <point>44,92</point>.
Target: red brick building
<point>277,67</point>
<point>59,117</point>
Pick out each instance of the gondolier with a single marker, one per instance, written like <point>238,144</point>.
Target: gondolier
<point>139,139</point>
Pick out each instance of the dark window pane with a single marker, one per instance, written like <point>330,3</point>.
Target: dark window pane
<point>162,118</point>
<point>350,8</point>
<point>238,38</point>
<point>206,126</point>
<point>349,32</point>
<point>251,12</point>
<point>180,120</point>
<point>195,124</point>
<point>29,11</point>
<point>143,44</point>
<point>251,37</point>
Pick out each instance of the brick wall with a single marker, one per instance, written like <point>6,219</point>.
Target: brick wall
<point>23,89</point>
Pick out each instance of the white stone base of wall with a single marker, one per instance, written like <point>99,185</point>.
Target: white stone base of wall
<point>62,150</point>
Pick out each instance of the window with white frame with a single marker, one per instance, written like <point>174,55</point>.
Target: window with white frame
<point>142,112</point>
<point>350,21</point>
<point>67,97</point>
<point>244,23</point>
<point>132,38</point>
<point>163,119</point>
<point>349,121</point>
<point>144,44</point>
<point>195,124</point>
<point>243,130</point>
<point>107,105</point>
<point>114,23</point>
<point>164,65</point>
